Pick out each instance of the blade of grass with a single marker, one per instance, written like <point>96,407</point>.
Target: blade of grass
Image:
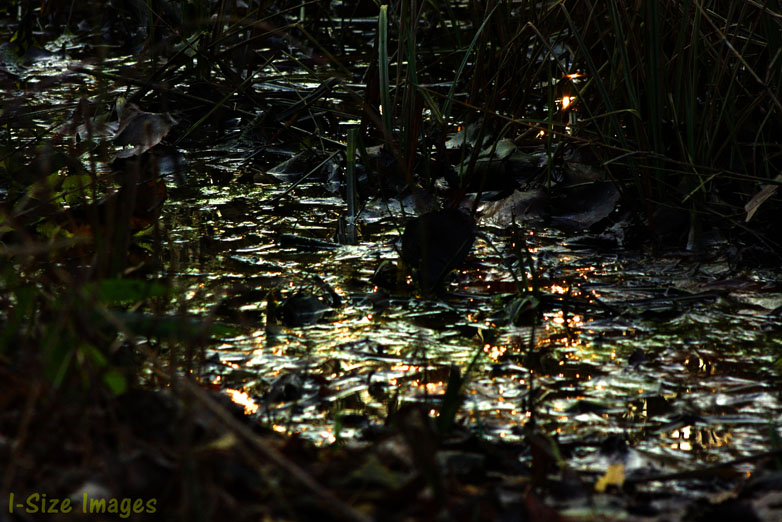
<point>383,62</point>
<point>460,70</point>
<point>350,178</point>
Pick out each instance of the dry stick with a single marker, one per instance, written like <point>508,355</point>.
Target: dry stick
<point>331,502</point>
<point>335,505</point>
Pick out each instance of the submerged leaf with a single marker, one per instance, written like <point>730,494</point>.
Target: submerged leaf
<point>435,243</point>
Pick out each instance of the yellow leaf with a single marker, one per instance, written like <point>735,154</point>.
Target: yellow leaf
<point>614,476</point>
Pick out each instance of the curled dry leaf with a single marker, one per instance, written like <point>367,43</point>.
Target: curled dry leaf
<point>142,130</point>
<point>758,199</point>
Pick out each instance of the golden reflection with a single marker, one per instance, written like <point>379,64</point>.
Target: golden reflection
<point>573,321</point>
<point>689,438</point>
<point>495,352</point>
<point>683,435</point>
<point>430,387</point>
<point>342,334</point>
<point>243,399</point>
<point>401,367</point>
<point>566,101</point>
<point>557,289</point>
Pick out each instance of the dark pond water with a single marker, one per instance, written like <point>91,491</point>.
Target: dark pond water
<point>679,355</point>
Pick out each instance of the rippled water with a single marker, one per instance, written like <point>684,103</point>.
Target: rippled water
<point>679,355</point>
<point>703,382</point>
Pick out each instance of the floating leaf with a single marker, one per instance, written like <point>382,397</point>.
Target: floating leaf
<point>614,476</point>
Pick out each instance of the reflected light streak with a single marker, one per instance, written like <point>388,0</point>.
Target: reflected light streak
<point>243,399</point>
